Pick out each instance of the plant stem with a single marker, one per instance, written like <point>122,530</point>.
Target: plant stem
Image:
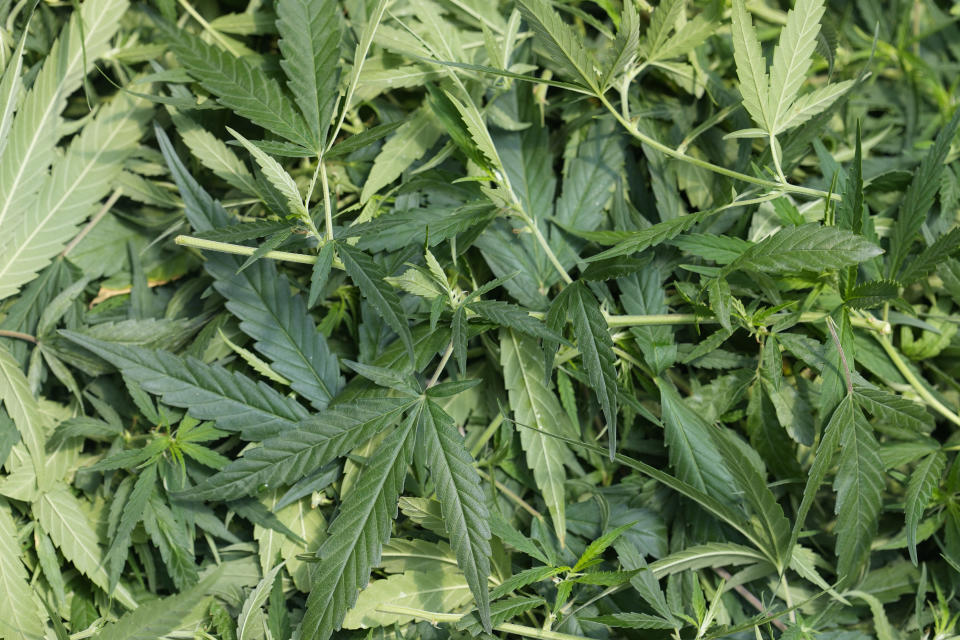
<point>26,337</point>
<point>510,494</point>
<point>327,213</point>
<point>921,390</point>
<point>749,597</point>
<point>730,173</point>
<point>443,363</point>
<point>551,256</point>
<point>240,250</point>
<point>435,618</point>
<point>486,435</point>
<point>112,200</point>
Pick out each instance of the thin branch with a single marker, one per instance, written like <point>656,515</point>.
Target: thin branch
<point>749,597</point>
<point>443,363</point>
<point>843,356</point>
<point>112,200</point>
<point>26,337</point>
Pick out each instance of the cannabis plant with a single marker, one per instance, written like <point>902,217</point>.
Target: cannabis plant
<point>459,318</point>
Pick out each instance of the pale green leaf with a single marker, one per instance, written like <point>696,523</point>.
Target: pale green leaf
<point>809,247</point>
<point>792,59</point>
<point>427,591</point>
<point>560,41</point>
<point>278,177</point>
<point>534,404</point>
<point>21,617</point>
<point>751,66</point>
<point>811,104</point>
<point>250,622</point>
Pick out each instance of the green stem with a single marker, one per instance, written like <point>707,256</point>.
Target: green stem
<point>486,435</point>
<point>434,617</point>
<point>327,213</point>
<point>551,256</point>
<point>914,382</point>
<point>730,173</point>
<point>240,250</point>
<point>216,35</point>
<point>26,337</point>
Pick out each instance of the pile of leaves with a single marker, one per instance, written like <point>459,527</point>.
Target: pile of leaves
<point>447,318</point>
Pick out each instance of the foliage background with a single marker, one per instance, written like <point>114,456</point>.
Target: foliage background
<point>437,318</point>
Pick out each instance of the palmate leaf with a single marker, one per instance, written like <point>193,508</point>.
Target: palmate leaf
<point>238,85</point>
<point>596,352</point>
<point>534,404</point>
<point>210,392</point>
<point>358,533</point>
<point>310,32</point>
<point>792,58</point>
<point>31,146</point>
<point>463,504</point>
<point>293,454</point>
<point>924,479</point>
<point>560,41</point>
<point>260,298</point>
<point>859,485</point>
<point>809,247</point>
<point>20,613</point>
<point>751,66</point>
<point>369,278</point>
<point>79,180</point>
<point>919,197</point>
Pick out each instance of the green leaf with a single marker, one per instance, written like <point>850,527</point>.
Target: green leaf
<point>427,591</point>
<point>133,509</point>
<point>505,531</point>
<point>596,351</point>
<point>25,412</point>
<point>277,176</point>
<point>534,404</point>
<point>892,410</point>
<point>596,548</point>
<point>772,525</point>
<point>693,453</point>
<point>841,421</point>
<point>32,233</point>
<point>72,192</point>
<point>463,504</point>
<point>278,321</point>
<point>919,196</point>
<point>415,136</point>
<point>792,59</point>
<point>523,579</point>
<point>859,485</point>
<point>284,458</point>
<point>560,42</point>
<point>238,85</point>
<point>513,317</point>
<point>499,612</point>
<point>60,514</point>
<point>712,554</point>
<point>20,613</point>
<point>931,257</point>
<point>210,392</point>
<point>250,622</point>
<point>11,89</point>
<point>811,104</point>
<point>751,66</point>
<point>310,32</point>
<point>923,481</point>
<point>369,277</point>
<point>219,158</point>
<point>625,46</point>
<point>358,533</point>
<point>632,621</point>
<point>872,294</point>
<point>628,242</point>
<point>810,247</point>
<point>162,616</point>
